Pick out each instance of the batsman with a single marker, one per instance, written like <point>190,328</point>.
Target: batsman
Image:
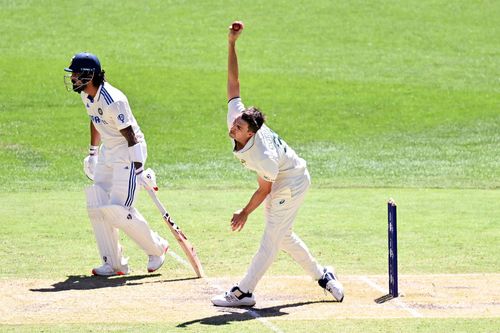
<point>283,180</point>
<point>117,154</point>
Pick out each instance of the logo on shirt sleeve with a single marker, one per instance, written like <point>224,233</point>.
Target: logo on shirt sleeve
<point>121,118</point>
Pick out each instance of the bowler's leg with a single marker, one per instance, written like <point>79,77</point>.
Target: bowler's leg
<point>280,215</point>
<point>299,251</point>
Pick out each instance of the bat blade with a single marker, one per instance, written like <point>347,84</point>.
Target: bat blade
<point>186,246</point>
<point>181,238</point>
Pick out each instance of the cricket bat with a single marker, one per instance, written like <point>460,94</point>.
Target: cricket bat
<point>179,235</point>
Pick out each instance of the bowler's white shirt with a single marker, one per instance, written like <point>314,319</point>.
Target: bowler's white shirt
<point>110,112</point>
<point>265,153</point>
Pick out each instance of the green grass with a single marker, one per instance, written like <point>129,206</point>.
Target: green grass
<point>350,325</point>
<point>382,98</point>
<point>343,227</point>
<point>378,95</point>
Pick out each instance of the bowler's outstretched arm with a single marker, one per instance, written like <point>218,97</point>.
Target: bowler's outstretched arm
<point>233,83</point>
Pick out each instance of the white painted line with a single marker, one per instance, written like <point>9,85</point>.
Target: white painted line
<point>398,301</point>
<point>265,322</point>
<point>372,284</point>
<point>178,258</point>
<point>254,314</point>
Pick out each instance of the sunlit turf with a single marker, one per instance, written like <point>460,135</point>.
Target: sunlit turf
<point>383,99</point>
<point>49,235</point>
<point>481,325</point>
<point>371,95</point>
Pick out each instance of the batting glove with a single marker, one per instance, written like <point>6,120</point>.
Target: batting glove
<point>90,162</point>
<point>146,179</point>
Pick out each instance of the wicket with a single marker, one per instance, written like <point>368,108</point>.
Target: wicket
<point>393,248</point>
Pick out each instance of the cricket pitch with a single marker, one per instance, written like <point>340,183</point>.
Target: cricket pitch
<point>156,298</point>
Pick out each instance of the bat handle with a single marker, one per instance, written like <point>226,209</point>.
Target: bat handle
<point>157,202</point>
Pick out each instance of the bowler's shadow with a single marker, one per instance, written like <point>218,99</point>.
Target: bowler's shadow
<point>85,282</point>
<point>250,314</point>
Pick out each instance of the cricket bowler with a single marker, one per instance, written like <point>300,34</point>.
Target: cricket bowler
<point>283,180</point>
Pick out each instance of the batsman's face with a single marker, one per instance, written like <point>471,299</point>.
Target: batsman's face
<point>239,131</point>
<point>76,81</point>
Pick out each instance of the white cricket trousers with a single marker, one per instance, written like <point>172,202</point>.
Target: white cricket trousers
<point>115,174</point>
<point>280,211</point>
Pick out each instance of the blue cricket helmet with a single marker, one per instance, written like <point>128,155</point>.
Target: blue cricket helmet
<point>84,68</point>
<point>84,62</point>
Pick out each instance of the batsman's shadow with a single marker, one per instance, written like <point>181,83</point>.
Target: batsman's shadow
<point>232,315</point>
<point>85,282</point>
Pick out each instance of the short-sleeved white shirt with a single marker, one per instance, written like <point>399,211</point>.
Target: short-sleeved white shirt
<point>110,112</point>
<point>266,153</point>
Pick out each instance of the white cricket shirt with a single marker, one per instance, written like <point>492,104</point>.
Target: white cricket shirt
<point>110,112</point>
<point>266,153</point>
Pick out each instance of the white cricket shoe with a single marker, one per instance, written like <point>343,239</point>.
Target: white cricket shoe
<point>155,262</point>
<point>330,283</point>
<point>234,298</point>
<point>108,270</point>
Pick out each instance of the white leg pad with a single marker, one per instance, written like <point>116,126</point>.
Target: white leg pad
<point>135,226</point>
<point>105,234</point>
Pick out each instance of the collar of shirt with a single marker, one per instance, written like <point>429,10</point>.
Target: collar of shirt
<point>248,145</point>
<point>97,94</point>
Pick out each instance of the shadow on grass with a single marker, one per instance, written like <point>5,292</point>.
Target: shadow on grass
<point>243,314</point>
<point>84,282</point>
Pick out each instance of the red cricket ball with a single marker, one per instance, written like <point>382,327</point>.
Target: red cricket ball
<point>236,26</point>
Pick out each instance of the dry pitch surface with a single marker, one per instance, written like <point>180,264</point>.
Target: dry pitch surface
<point>156,298</point>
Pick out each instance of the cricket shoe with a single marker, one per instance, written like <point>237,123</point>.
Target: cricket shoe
<point>330,283</point>
<point>234,298</point>
<point>108,270</point>
<point>155,262</point>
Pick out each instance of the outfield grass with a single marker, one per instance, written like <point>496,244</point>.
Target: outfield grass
<point>452,231</point>
<point>369,326</point>
<point>379,95</point>
<point>383,99</point>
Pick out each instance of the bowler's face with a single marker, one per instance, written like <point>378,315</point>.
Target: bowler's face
<point>239,131</point>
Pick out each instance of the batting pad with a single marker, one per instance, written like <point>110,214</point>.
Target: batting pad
<point>105,234</point>
<point>135,226</point>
